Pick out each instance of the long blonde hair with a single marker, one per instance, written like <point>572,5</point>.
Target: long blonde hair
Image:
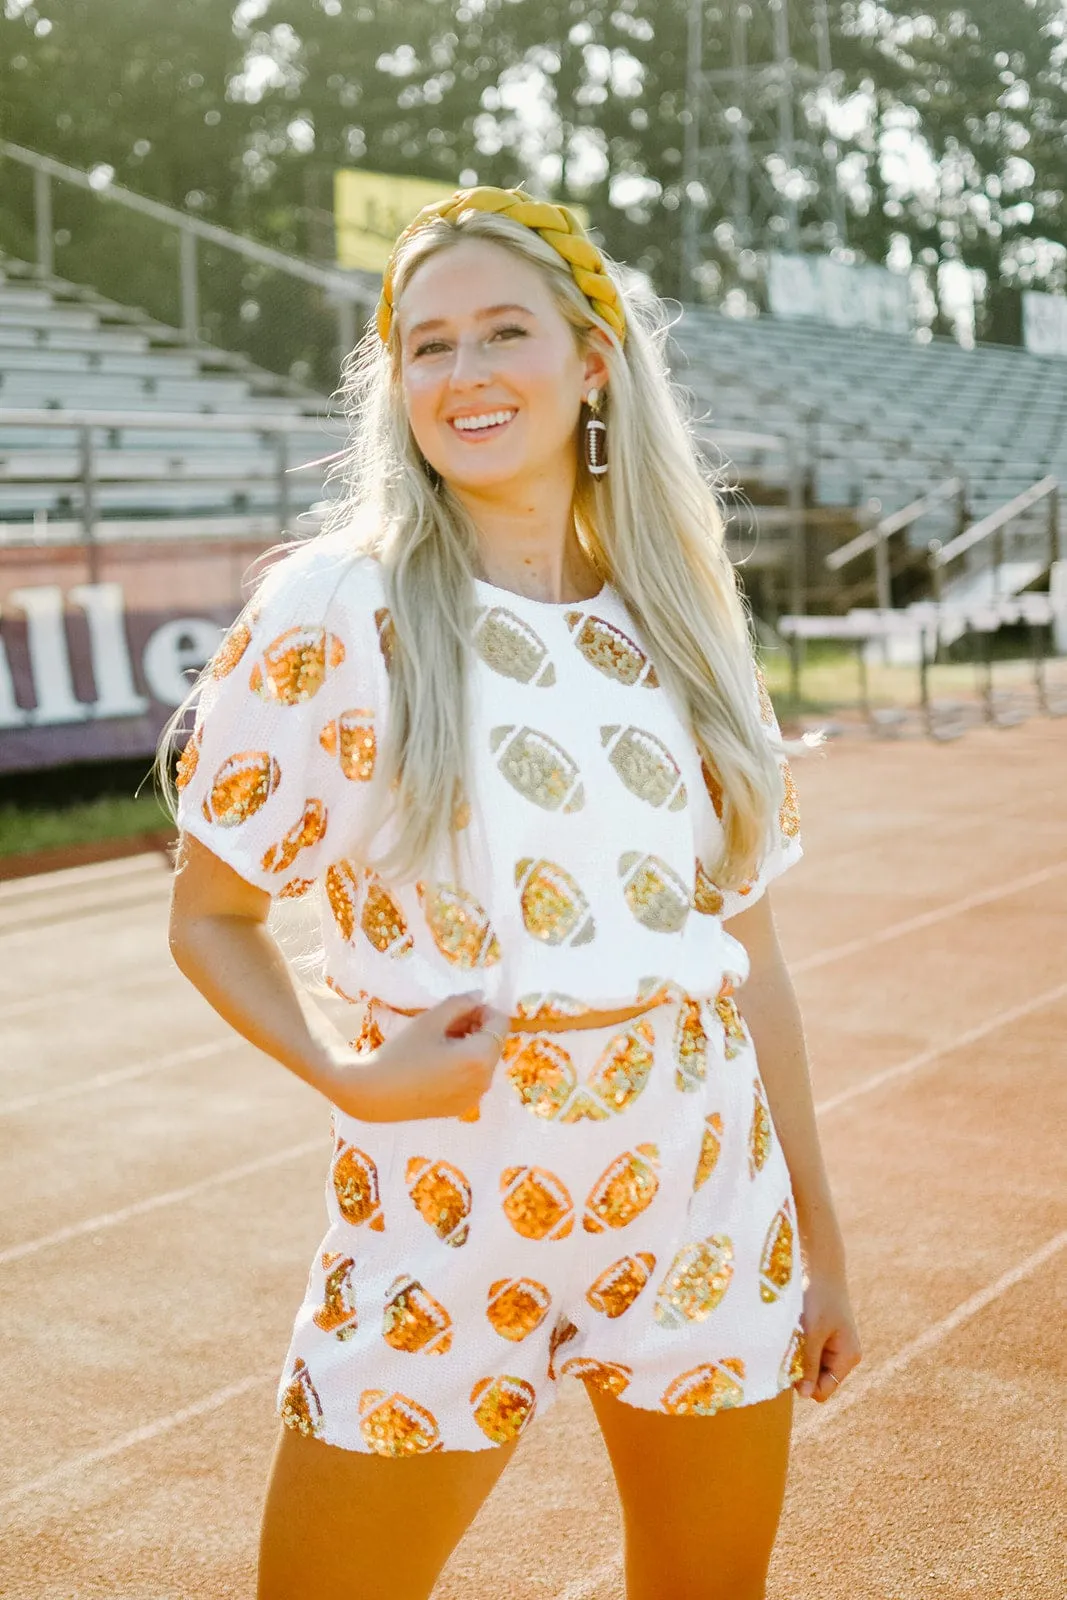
<point>651,526</point>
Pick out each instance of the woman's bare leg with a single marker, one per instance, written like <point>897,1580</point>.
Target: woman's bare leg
<point>701,1496</point>
<point>338,1525</point>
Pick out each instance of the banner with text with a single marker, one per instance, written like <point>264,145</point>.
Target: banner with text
<point>98,647</point>
<point>834,292</point>
<point>1045,323</point>
<point>371,208</point>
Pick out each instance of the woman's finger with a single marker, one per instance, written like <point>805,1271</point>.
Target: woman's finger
<point>813,1361</point>
<point>830,1380</point>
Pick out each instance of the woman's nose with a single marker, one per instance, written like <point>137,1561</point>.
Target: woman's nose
<point>470,362</point>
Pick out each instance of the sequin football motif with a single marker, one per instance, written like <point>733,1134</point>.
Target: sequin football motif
<point>611,651</point>
<point>509,646</point>
<point>294,666</point>
<point>538,768</point>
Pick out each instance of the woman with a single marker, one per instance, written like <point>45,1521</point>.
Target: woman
<point>503,714</point>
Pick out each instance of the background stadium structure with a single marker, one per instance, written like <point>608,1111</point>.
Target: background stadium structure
<point>859,469</point>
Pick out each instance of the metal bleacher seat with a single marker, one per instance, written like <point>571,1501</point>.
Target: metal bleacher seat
<point>998,416</point>
<point>112,372</point>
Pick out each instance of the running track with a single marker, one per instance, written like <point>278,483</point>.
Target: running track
<point>162,1201</point>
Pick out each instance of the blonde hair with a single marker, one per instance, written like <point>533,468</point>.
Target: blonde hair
<point>651,527</point>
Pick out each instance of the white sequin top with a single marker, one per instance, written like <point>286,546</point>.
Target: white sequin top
<point>589,819</point>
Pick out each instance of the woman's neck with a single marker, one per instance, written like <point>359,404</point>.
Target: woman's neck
<point>532,549</point>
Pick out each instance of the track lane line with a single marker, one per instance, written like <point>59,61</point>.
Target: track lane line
<point>584,1589</point>
<point>143,1435</point>
<point>104,1080</point>
<point>926,919</point>
<point>155,1202</point>
<point>895,930</point>
<point>891,1074</point>
<point>810,1426</point>
<point>859,1386</point>
<point>110,1219</point>
<point>84,991</point>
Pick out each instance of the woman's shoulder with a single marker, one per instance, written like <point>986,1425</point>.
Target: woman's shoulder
<point>322,578</point>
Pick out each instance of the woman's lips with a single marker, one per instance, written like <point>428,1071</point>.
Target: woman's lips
<point>475,434</point>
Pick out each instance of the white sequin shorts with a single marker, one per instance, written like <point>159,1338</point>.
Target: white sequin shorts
<point>621,1212</point>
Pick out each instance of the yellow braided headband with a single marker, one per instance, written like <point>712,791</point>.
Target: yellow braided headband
<point>556,224</point>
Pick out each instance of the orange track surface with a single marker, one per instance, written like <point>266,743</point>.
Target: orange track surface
<point>162,1199</point>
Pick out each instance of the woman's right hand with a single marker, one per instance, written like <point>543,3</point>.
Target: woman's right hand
<point>439,1065</point>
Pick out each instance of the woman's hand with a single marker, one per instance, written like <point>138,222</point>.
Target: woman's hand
<point>440,1065</point>
<point>831,1342</point>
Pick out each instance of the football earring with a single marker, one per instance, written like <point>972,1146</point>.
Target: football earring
<point>596,437</point>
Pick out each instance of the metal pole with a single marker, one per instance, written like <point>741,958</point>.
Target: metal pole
<point>346,330</point>
<point>189,287</point>
<point>88,485</point>
<point>882,590</point>
<point>998,560</point>
<point>786,134</point>
<point>798,527</point>
<point>1037,660</point>
<point>1054,526</point>
<point>281,462</point>
<point>740,149</point>
<point>43,227</point>
<point>691,219</point>
<point>865,693</point>
<point>881,573</point>
<point>821,22</point>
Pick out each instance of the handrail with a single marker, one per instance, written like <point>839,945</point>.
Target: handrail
<point>893,523</point>
<point>262,422</point>
<point>215,421</point>
<point>738,439</point>
<point>996,519</point>
<point>350,284</point>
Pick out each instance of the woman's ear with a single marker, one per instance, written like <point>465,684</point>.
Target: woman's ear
<point>596,366</point>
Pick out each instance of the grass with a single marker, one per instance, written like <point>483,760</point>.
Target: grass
<point>830,680</point>
<point>79,805</point>
<point>24,828</point>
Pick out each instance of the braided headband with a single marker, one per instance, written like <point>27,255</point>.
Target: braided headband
<point>558,225</point>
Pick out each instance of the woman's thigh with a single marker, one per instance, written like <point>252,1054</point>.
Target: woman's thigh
<point>366,1527</point>
<point>701,1496</point>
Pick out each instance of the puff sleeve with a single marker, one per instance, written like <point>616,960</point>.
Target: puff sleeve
<point>265,770</point>
<point>784,847</point>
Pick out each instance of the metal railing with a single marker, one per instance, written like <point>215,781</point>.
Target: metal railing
<point>991,533</point>
<point>793,514</point>
<point>217,286</point>
<point>876,539</point>
<point>275,429</point>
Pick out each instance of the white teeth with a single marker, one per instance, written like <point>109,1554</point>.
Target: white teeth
<point>468,424</point>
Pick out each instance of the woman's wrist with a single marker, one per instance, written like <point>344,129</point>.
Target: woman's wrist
<point>361,1083</point>
<point>326,1063</point>
<point>821,1239</point>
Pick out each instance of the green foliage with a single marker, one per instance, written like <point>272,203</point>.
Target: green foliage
<point>244,115</point>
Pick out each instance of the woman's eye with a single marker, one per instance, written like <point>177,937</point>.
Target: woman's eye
<point>436,344</point>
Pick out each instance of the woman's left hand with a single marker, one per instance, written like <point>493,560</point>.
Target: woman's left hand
<point>831,1342</point>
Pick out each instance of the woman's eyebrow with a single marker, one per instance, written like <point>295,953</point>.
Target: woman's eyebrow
<point>487,311</point>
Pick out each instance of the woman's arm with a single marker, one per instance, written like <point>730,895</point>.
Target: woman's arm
<point>440,1066</point>
<point>769,1006</point>
<point>219,940</point>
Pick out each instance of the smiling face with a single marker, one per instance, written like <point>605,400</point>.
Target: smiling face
<point>493,378</point>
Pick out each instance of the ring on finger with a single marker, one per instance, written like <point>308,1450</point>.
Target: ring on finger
<point>829,1374</point>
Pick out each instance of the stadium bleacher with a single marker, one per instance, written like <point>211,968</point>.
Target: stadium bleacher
<point>873,422</point>
<point>64,349</point>
<point>884,415</point>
